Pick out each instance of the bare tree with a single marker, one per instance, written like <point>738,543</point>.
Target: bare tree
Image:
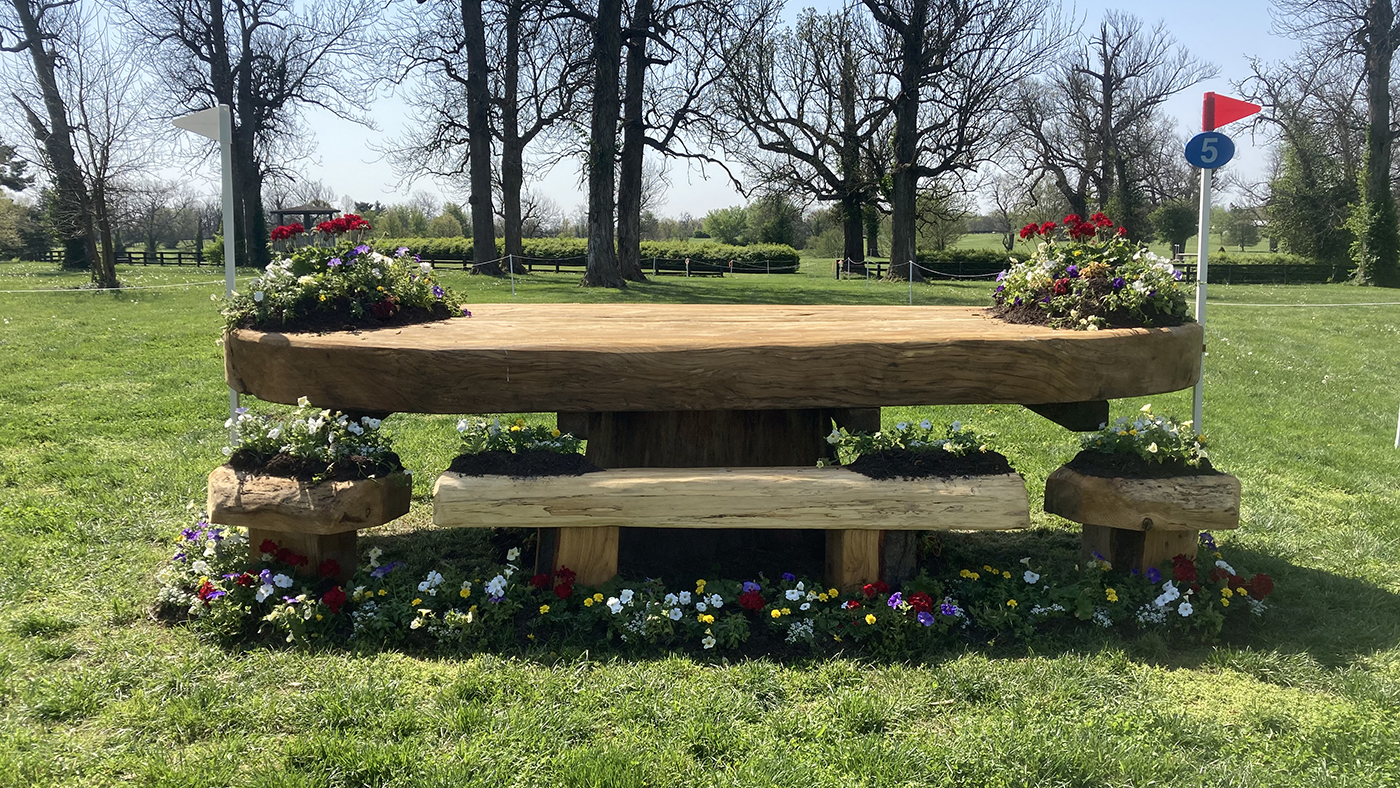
<point>267,60</point>
<point>811,105</point>
<point>953,62</point>
<point>1095,124</point>
<point>38,27</point>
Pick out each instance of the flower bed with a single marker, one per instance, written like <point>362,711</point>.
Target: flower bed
<point>911,451</point>
<point>312,444</point>
<point>517,450</point>
<point>212,582</point>
<point>1086,275</point>
<point>334,281</point>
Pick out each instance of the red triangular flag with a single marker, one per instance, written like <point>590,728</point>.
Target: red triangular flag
<point>1218,110</point>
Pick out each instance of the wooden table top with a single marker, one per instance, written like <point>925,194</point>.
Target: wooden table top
<point>602,357</point>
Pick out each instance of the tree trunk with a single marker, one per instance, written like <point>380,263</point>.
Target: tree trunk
<point>512,147</point>
<point>105,267</point>
<point>75,217</point>
<point>479,140</point>
<point>872,231</point>
<point>1377,247</point>
<point>602,266</point>
<point>629,184</point>
<point>853,218</point>
<point>906,147</point>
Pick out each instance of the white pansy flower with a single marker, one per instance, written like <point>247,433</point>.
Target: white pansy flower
<point>716,600</point>
<point>263,593</point>
<point>792,594</point>
<point>615,605</point>
<point>496,586</point>
<point>1185,609</point>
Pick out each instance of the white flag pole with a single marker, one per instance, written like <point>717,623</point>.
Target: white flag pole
<point>216,123</point>
<point>1202,252</point>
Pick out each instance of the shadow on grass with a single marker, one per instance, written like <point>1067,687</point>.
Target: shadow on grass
<point>1317,622</point>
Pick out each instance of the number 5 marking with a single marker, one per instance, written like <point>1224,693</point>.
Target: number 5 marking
<point>1208,152</point>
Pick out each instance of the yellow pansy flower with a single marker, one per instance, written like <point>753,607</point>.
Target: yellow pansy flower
<point>776,613</point>
<point>416,602</point>
<point>382,592</point>
<point>1010,603</point>
<point>1111,594</point>
<point>588,601</point>
<point>870,618</point>
<point>544,609</point>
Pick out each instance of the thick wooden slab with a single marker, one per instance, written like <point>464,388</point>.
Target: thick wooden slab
<point>731,498</point>
<point>626,357</point>
<point>1180,503</point>
<point>272,503</point>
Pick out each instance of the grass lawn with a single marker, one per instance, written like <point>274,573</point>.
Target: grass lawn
<point>111,408</point>
<point>993,241</point>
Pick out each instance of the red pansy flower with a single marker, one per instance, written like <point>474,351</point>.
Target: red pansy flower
<point>328,568</point>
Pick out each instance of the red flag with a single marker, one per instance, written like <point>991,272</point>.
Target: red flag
<point>1217,110</point>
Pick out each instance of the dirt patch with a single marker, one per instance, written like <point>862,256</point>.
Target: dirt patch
<point>1127,466</point>
<point>288,467</point>
<point>524,465</point>
<point>906,464</point>
<point>338,317</point>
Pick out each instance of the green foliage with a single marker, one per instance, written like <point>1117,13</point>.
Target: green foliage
<point>22,233</point>
<point>956,439</point>
<point>479,435</point>
<point>987,256</point>
<point>773,219</point>
<point>1175,222</point>
<point>12,168</point>
<point>727,225</point>
<point>444,226</point>
<point>1240,226</point>
<point>1151,438</point>
<point>1376,249</point>
<point>1310,201</point>
<point>576,248</point>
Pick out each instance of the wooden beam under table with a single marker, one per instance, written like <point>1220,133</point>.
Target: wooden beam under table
<point>1077,416</point>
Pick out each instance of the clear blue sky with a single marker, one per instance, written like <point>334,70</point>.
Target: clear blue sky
<point>1225,32</point>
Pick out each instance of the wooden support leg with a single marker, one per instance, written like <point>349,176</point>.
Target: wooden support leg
<point>899,556</point>
<point>589,552</point>
<point>1136,549</point>
<point>316,547</point>
<point>852,558</point>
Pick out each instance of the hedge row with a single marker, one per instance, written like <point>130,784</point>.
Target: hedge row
<point>563,248</point>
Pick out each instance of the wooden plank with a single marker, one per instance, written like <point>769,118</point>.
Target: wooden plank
<point>291,506</point>
<point>852,558</point>
<point>1179,503</point>
<point>590,552</point>
<point>827,498</point>
<point>645,357</point>
<point>1076,416</point>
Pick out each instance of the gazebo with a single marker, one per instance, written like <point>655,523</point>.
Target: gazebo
<point>308,215</point>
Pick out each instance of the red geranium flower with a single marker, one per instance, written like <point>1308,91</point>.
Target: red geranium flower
<point>1184,569</point>
<point>1047,227</point>
<point>268,546</point>
<point>1029,230</point>
<point>881,587</point>
<point>751,600</point>
<point>1072,219</point>
<point>328,568</point>
<point>1101,220</point>
<point>868,589</point>
<point>246,580</point>
<point>1061,287</point>
<point>1234,582</point>
<point>921,602</point>
<point>1122,232</point>
<point>566,575</point>
<point>385,309</point>
<point>334,599</point>
<point>540,580</point>
<point>564,590</point>
<point>295,228</point>
<point>1260,586</point>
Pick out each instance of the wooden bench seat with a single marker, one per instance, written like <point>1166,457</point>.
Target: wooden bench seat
<point>589,509</point>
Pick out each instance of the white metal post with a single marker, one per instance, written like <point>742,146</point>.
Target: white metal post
<point>1202,253</point>
<point>226,158</point>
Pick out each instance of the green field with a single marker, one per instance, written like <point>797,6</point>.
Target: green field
<point>993,241</point>
<point>111,410</point>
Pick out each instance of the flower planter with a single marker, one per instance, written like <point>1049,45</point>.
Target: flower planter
<point>1142,522</point>
<point>315,520</point>
<point>854,509</point>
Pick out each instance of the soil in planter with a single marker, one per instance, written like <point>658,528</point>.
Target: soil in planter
<point>340,318</point>
<point>906,464</point>
<point>289,467</point>
<point>523,465</point>
<point>1128,466</point>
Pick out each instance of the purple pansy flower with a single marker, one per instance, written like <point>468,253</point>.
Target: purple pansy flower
<point>1207,541</point>
<point>265,576</point>
<point>750,585</point>
<point>190,534</point>
<point>215,594</point>
<point>1119,282</point>
<point>178,557</point>
<point>896,599</point>
<point>925,618</point>
<point>1017,302</point>
<point>466,312</point>
<point>1001,276</point>
<point>333,262</point>
<point>401,251</point>
<point>1072,272</point>
<point>361,249</point>
<point>438,292</point>
<point>948,609</point>
<point>383,570</point>
<point>789,576</point>
<point>1153,575</point>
